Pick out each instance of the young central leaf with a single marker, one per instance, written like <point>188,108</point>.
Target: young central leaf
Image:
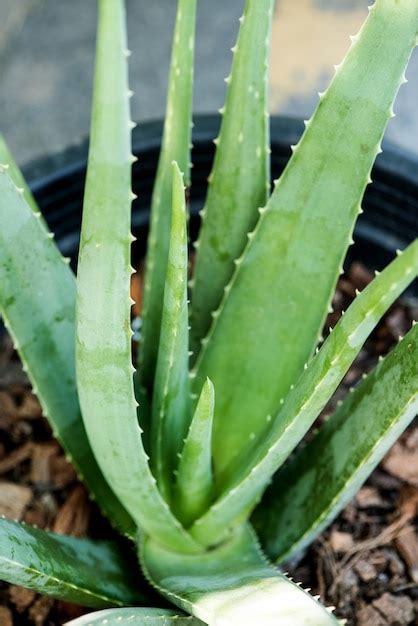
<point>175,147</point>
<point>194,478</point>
<point>171,400</point>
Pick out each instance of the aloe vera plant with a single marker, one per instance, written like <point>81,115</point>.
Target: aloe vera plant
<point>195,457</point>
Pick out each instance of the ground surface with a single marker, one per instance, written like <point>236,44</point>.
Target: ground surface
<point>46,61</point>
<point>366,564</point>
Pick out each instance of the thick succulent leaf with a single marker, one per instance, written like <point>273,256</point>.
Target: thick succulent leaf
<point>82,571</point>
<point>135,617</point>
<point>175,147</point>
<point>37,303</point>
<point>194,478</point>
<point>323,476</point>
<point>307,398</point>
<point>273,311</point>
<point>6,159</point>
<point>171,398</point>
<point>240,180</point>
<point>232,584</point>
<point>103,335</point>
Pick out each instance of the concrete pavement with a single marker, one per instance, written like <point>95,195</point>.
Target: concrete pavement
<point>46,62</point>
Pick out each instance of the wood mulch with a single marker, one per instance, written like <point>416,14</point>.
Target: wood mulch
<point>366,564</point>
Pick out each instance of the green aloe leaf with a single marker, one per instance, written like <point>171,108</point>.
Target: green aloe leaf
<point>7,159</point>
<point>272,314</point>
<point>175,147</point>
<point>171,413</point>
<point>306,399</point>
<point>67,567</point>
<point>134,617</point>
<point>232,584</point>
<point>37,303</point>
<point>194,478</point>
<point>322,477</point>
<point>103,329</point>
<point>240,180</point>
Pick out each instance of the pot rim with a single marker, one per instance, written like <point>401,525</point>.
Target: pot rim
<point>45,170</point>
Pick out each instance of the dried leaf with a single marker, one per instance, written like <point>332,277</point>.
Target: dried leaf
<point>340,541</point>
<point>30,408</point>
<point>6,618</point>
<point>366,570</point>
<point>40,609</point>
<point>407,544</point>
<point>17,456</point>
<point>41,463</point>
<point>368,616</point>
<point>74,515</point>
<point>8,409</point>
<point>402,462</point>
<point>369,497</point>
<point>62,472</point>
<point>21,597</point>
<point>14,499</point>
<point>397,610</point>
<point>408,502</point>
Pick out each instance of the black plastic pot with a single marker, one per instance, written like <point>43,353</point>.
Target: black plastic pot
<point>390,218</point>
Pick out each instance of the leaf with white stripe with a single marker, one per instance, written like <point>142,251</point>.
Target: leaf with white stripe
<point>82,571</point>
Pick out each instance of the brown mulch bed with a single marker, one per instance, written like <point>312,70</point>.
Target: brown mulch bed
<point>366,564</point>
